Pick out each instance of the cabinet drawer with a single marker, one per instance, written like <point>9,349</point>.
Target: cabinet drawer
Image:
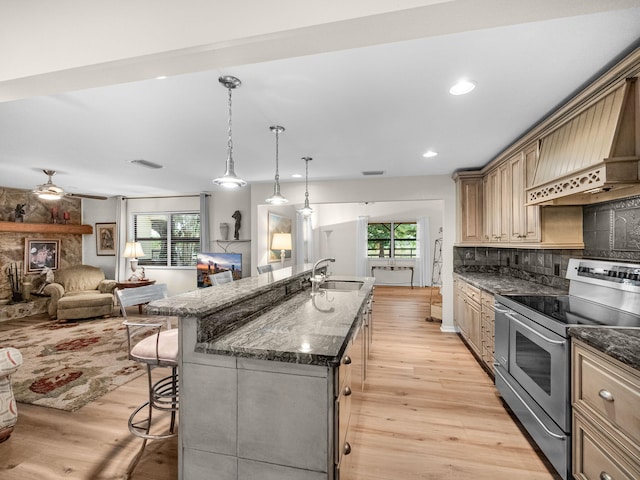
<point>594,457</point>
<point>472,292</point>
<point>607,390</point>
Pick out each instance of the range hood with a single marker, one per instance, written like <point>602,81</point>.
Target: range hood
<point>594,151</point>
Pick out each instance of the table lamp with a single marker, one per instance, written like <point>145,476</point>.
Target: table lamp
<point>132,250</point>
<point>282,242</point>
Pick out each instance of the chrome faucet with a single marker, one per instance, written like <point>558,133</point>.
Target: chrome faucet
<point>317,280</point>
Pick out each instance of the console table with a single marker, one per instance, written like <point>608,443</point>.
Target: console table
<point>393,267</point>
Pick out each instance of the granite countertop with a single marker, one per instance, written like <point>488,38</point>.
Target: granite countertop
<point>623,344</point>
<point>305,329</point>
<point>505,284</point>
<point>206,301</point>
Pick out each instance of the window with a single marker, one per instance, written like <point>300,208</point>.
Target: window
<point>392,240</point>
<point>168,239</point>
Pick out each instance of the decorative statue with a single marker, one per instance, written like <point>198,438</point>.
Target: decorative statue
<point>19,212</point>
<point>238,217</point>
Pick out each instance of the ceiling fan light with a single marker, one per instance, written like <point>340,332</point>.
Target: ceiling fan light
<point>48,195</point>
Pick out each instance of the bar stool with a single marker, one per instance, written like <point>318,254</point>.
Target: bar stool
<point>153,342</point>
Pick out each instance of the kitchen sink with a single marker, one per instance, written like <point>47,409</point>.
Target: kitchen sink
<point>341,285</point>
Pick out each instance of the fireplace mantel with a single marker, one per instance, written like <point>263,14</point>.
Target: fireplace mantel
<point>45,228</point>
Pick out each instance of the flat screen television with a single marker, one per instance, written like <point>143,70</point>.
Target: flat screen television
<point>210,263</point>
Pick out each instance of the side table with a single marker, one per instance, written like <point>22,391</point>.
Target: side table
<point>135,284</point>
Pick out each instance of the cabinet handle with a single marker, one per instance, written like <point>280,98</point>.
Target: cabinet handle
<point>347,391</point>
<point>347,360</point>
<point>347,450</point>
<point>605,395</point>
<point>605,476</point>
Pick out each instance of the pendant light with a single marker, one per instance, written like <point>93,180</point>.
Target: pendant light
<point>277,198</point>
<point>306,210</point>
<point>230,179</point>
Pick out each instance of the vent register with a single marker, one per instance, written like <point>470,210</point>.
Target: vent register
<point>594,151</point>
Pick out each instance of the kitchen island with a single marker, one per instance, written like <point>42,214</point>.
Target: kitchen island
<point>268,375</point>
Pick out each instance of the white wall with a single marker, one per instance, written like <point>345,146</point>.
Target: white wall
<point>419,188</point>
<point>221,207</point>
<point>222,204</point>
<point>335,230</point>
<point>98,211</point>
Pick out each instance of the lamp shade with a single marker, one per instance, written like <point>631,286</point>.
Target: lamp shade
<point>133,250</point>
<point>281,241</point>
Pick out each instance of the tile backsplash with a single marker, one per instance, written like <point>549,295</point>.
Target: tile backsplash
<point>612,230</point>
<point>547,267</point>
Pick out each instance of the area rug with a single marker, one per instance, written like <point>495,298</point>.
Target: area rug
<point>67,365</point>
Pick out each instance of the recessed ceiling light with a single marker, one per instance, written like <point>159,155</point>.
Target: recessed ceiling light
<point>161,77</point>
<point>462,87</point>
<point>430,154</point>
<point>296,175</point>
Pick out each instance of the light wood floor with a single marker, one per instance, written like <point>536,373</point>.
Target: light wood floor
<point>429,411</point>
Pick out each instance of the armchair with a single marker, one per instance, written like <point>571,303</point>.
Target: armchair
<point>80,291</point>
<point>10,361</point>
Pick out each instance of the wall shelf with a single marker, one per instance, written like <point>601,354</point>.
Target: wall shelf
<point>221,243</point>
<point>45,228</point>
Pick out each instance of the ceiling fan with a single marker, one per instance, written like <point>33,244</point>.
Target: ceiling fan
<point>50,191</point>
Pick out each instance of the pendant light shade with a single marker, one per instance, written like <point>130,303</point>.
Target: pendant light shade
<point>277,198</point>
<point>230,179</point>
<point>306,210</point>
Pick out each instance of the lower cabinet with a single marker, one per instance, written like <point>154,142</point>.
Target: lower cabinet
<point>606,419</point>
<point>255,419</point>
<point>487,316</point>
<point>474,316</point>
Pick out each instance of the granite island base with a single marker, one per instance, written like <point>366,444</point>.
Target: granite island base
<point>269,375</point>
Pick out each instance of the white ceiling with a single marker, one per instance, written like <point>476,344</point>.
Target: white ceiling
<point>371,108</point>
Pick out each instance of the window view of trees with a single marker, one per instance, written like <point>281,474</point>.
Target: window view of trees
<point>176,246</point>
<point>392,240</point>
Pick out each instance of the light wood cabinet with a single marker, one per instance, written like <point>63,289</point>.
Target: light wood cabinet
<point>524,225</point>
<point>468,314</point>
<point>474,316</point>
<point>505,219</point>
<point>487,316</point>
<point>470,208</point>
<point>606,420</point>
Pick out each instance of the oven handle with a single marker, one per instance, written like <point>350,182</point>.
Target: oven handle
<point>544,427</point>
<point>499,310</point>
<point>546,339</point>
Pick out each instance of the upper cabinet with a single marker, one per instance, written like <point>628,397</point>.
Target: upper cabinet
<point>492,208</point>
<point>470,207</point>
<point>524,221</point>
<point>587,151</point>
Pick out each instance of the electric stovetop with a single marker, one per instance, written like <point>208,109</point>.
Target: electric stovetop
<point>573,310</point>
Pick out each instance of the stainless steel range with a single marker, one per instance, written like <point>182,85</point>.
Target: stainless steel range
<point>532,351</point>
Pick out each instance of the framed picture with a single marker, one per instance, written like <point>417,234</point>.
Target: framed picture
<point>40,254</point>
<point>106,239</point>
<point>277,224</point>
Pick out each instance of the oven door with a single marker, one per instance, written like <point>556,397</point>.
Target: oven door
<point>539,362</point>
